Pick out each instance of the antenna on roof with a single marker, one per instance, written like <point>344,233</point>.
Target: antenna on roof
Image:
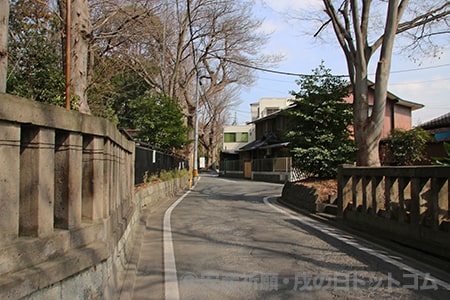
<point>235,119</point>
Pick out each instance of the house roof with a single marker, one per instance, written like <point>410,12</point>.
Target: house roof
<point>277,145</point>
<point>391,96</point>
<point>253,145</point>
<point>269,141</point>
<point>439,122</point>
<point>273,115</point>
<point>229,151</point>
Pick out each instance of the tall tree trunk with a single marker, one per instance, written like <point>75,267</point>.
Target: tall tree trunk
<point>211,148</point>
<point>81,37</point>
<point>4,17</point>
<point>367,135</point>
<point>368,132</point>
<point>81,34</point>
<point>350,24</point>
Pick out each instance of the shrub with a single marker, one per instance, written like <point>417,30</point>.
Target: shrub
<point>443,160</point>
<point>164,176</point>
<point>406,147</point>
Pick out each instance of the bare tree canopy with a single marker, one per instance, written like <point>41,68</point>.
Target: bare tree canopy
<point>121,50</point>
<point>154,39</point>
<point>212,117</point>
<point>167,43</point>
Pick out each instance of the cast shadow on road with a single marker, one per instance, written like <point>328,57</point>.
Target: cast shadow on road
<point>262,247</point>
<point>356,273</point>
<point>191,228</point>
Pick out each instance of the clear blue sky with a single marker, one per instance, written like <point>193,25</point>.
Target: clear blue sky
<point>426,82</point>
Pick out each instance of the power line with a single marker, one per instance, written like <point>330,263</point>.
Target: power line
<point>309,75</point>
<point>399,71</point>
<point>273,71</point>
<point>423,81</point>
<point>239,111</point>
<point>420,69</point>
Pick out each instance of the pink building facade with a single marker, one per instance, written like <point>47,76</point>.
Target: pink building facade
<point>398,113</point>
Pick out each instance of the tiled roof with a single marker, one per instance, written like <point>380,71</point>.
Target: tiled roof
<point>269,141</point>
<point>439,122</point>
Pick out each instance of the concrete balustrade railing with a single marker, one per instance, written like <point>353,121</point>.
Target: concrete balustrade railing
<point>407,204</point>
<point>66,193</point>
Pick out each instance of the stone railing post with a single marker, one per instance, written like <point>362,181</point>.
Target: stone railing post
<point>36,181</point>
<point>107,178</point>
<point>9,180</point>
<point>344,191</point>
<point>377,194</point>
<point>92,207</point>
<point>390,193</point>
<point>440,201</point>
<point>68,178</point>
<point>357,193</point>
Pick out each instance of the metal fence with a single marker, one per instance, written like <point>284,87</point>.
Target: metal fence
<point>280,164</point>
<point>277,165</point>
<point>232,165</point>
<point>149,161</point>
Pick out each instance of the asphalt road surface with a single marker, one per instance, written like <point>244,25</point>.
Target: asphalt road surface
<point>231,239</point>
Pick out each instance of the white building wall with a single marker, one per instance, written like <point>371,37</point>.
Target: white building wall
<point>238,130</point>
<point>266,106</point>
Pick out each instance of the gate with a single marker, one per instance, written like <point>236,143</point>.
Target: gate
<point>248,169</point>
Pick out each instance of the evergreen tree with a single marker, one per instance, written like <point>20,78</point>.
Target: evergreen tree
<point>35,62</point>
<point>320,132</point>
<point>160,121</point>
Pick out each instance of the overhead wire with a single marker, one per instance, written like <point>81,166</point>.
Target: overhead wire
<point>309,75</point>
<point>272,71</point>
<point>420,69</point>
<point>422,81</point>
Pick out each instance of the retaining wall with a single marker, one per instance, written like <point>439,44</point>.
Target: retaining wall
<point>409,205</point>
<point>67,204</point>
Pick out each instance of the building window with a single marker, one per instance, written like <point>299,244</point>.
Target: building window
<point>271,110</point>
<point>229,137</point>
<point>244,137</point>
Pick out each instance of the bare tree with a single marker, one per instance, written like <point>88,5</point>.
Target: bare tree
<point>169,42</point>
<point>4,16</point>
<point>155,40</point>
<point>221,32</point>
<point>351,21</point>
<point>81,36</point>
<point>212,119</point>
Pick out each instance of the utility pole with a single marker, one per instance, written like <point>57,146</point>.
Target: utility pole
<point>197,84</point>
<point>68,51</point>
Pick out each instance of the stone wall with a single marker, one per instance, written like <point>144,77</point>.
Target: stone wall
<point>67,204</point>
<point>104,278</point>
<point>300,196</point>
<point>405,204</point>
<point>276,177</point>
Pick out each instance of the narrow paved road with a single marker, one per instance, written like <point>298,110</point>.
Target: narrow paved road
<point>230,244</point>
<point>229,239</point>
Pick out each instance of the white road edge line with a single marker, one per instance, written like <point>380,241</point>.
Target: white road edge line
<point>170,269</point>
<point>398,264</point>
